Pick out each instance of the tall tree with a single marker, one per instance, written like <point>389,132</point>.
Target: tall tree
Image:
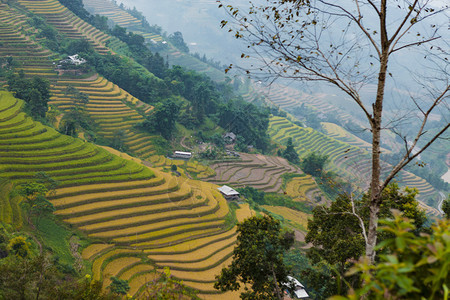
<point>258,259</point>
<point>289,153</point>
<point>336,231</point>
<point>349,45</point>
<point>35,201</point>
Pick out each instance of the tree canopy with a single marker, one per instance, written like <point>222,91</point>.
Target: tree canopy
<point>35,92</point>
<point>339,232</point>
<point>314,164</point>
<point>289,153</point>
<point>257,259</point>
<point>414,267</point>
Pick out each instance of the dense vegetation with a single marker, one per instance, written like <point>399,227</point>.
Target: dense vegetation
<point>35,92</point>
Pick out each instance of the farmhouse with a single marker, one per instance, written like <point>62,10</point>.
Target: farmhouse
<point>229,137</point>
<point>181,154</point>
<point>298,289</point>
<point>73,60</point>
<point>229,193</point>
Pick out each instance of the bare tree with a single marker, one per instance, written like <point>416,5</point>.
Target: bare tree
<point>351,44</point>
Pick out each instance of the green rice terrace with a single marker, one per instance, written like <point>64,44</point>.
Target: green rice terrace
<point>29,56</point>
<point>68,23</point>
<point>345,159</point>
<point>139,219</point>
<point>287,97</point>
<point>122,18</point>
<point>112,109</point>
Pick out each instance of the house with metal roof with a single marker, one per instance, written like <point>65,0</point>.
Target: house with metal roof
<point>229,193</point>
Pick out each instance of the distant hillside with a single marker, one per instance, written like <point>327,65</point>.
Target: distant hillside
<point>119,16</point>
<point>349,161</point>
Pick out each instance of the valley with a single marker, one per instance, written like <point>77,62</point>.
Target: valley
<point>103,149</point>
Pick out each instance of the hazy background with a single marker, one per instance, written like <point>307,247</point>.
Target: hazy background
<point>199,22</point>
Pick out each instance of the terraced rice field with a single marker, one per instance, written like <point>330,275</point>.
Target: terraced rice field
<point>258,171</point>
<point>10,212</point>
<point>67,22</point>
<point>295,218</point>
<point>287,98</point>
<point>114,110</point>
<point>138,216</point>
<point>112,12</point>
<point>193,168</point>
<point>341,134</point>
<point>345,159</point>
<point>29,55</point>
<point>304,189</point>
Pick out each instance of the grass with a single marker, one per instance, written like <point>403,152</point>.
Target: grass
<point>56,237</point>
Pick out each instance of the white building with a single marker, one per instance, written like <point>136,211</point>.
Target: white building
<point>181,154</point>
<point>229,193</point>
<point>299,289</point>
<point>76,60</point>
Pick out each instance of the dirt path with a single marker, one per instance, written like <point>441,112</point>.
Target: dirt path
<point>183,144</point>
<point>300,236</point>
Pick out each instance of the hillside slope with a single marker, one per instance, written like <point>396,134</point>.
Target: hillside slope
<point>141,219</point>
<point>347,160</point>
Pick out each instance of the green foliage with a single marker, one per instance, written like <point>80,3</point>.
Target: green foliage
<point>446,207</point>
<point>177,40</point>
<point>275,199</point>
<point>210,153</point>
<point>10,213</point>
<point>252,194</point>
<point>240,145</point>
<point>320,279</point>
<point>313,164</point>
<point>38,278</point>
<point>246,120</point>
<point>7,64</point>
<point>19,246</point>
<point>79,46</point>
<point>55,238</point>
<point>77,7</point>
<point>35,201</point>
<point>35,92</point>
<point>415,267</point>
<point>257,259</point>
<point>75,119</point>
<point>119,286</point>
<point>166,287</point>
<point>163,119</point>
<point>336,232</point>
<point>139,51</point>
<point>290,154</point>
<point>51,37</point>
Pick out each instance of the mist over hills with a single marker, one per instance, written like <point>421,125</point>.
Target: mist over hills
<point>199,22</point>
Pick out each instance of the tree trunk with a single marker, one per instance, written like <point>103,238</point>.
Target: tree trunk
<point>375,192</point>
<point>277,288</point>
<point>375,123</point>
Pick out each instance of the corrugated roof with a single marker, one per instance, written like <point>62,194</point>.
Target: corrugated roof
<point>226,190</point>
